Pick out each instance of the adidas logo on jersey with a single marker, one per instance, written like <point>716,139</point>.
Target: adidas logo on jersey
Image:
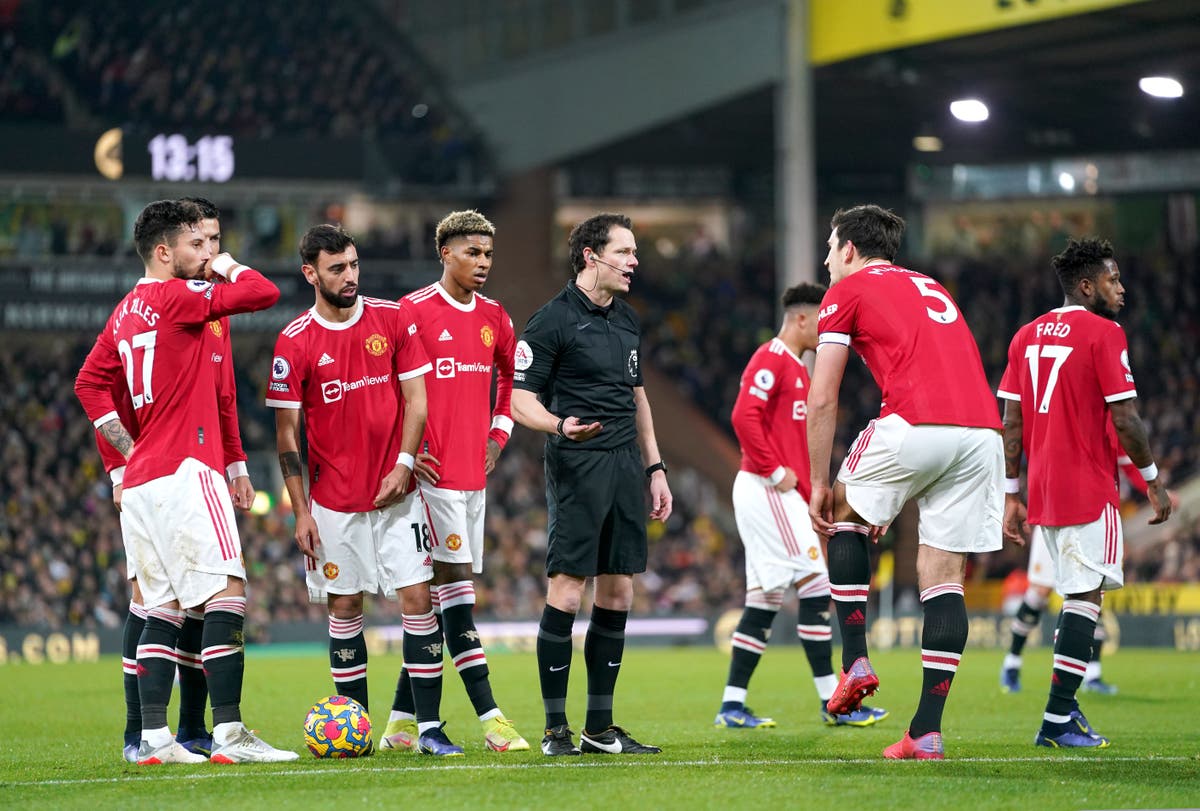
<point>445,336</point>
<point>325,359</point>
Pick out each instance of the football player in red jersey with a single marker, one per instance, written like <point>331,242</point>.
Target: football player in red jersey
<point>770,503</point>
<point>1068,379</point>
<point>188,554</point>
<point>468,337</point>
<point>193,687</point>
<point>353,366</point>
<point>937,440</point>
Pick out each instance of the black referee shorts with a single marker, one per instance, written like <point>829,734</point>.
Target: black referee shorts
<point>596,511</point>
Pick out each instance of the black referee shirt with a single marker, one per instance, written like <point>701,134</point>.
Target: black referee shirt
<point>582,361</point>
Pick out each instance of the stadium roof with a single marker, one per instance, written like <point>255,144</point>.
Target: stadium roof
<point>1065,87</point>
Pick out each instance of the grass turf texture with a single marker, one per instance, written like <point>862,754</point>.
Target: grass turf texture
<point>61,727</point>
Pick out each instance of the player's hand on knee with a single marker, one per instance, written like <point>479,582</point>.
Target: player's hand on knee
<point>820,509</point>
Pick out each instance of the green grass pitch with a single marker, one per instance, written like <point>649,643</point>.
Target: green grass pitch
<point>60,735</point>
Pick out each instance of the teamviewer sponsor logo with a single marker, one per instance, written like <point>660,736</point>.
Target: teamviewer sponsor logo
<point>332,391</point>
<point>444,367</point>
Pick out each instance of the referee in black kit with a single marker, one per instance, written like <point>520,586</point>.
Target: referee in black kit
<point>578,379</point>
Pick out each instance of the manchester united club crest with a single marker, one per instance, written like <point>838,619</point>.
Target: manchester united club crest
<point>215,326</point>
<point>453,542</point>
<point>376,344</point>
<point>487,335</point>
<point>330,570</point>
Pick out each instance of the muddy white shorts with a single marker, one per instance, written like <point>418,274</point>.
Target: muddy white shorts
<point>181,536</point>
<point>1041,563</point>
<point>1088,556</point>
<point>955,473</point>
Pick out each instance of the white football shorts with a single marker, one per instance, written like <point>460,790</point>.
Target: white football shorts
<point>955,473</point>
<point>781,547</point>
<point>456,521</point>
<point>374,552</point>
<point>1041,562</point>
<point>1088,556</point>
<point>181,536</point>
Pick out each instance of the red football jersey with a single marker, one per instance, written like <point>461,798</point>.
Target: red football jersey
<point>1065,367</point>
<point>217,335</point>
<point>914,340</point>
<point>464,343</point>
<point>156,339</point>
<point>346,378</point>
<point>770,413</point>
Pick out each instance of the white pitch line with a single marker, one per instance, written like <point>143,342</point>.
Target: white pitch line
<point>161,774</point>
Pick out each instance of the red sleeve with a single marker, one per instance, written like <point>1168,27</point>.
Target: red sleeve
<point>198,302</point>
<point>231,435</point>
<point>410,359</point>
<point>760,382</point>
<point>1111,357</point>
<point>836,319</point>
<point>506,347</point>
<point>94,384</point>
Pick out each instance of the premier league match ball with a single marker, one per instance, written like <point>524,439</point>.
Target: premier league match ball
<point>337,727</point>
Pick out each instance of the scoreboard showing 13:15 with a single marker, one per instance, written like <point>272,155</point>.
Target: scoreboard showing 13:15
<point>208,160</point>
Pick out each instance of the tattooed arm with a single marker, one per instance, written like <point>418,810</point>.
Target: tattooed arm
<point>287,438</point>
<point>114,431</point>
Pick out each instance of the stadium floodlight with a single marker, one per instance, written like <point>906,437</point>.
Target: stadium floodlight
<point>927,143</point>
<point>1066,181</point>
<point>970,110</point>
<point>1162,87</point>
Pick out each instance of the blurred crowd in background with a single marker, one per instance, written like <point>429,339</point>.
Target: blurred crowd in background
<point>61,560</point>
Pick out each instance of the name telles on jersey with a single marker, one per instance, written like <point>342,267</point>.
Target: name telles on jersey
<point>136,307</point>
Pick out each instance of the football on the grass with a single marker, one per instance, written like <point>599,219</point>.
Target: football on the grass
<point>337,727</point>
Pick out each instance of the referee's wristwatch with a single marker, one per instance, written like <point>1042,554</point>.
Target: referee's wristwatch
<point>656,466</point>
